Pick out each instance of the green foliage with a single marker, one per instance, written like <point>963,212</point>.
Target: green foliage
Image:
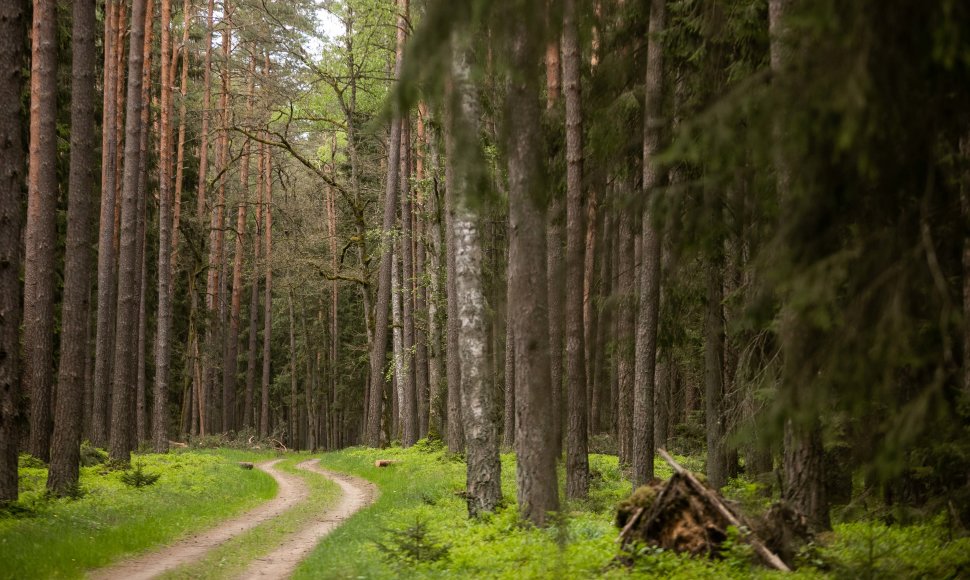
<point>412,545</point>
<point>28,461</point>
<point>137,477</point>
<point>876,550</point>
<point>43,536</point>
<point>91,455</point>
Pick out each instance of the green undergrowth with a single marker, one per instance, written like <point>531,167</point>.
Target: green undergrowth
<point>232,557</point>
<point>44,537</point>
<point>419,528</point>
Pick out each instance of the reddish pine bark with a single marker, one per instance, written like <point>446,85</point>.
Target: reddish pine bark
<point>40,236</point>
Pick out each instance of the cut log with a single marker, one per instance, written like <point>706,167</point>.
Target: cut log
<point>384,462</point>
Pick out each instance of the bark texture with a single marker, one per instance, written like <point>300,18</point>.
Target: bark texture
<point>378,354</point>
<point>644,408</point>
<point>62,477</point>
<point>484,481</point>
<point>120,444</point>
<point>40,236</point>
<point>166,246</point>
<point>13,42</point>
<point>535,458</point>
<point>577,449</point>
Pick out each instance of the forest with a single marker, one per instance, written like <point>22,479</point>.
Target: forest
<point>481,270</point>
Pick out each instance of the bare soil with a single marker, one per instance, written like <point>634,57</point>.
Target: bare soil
<point>357,493</point>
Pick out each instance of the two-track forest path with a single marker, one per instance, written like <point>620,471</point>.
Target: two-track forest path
<point>283,560</point>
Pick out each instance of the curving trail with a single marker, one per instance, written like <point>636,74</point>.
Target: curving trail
<point>357,493</point>
<point>281,562</point>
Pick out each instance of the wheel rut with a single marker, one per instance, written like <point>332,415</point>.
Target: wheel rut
<point>283,560</point>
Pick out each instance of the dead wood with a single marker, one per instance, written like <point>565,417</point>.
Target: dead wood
<point>384,462</point>
<point>245,465</point>
<point>684,515</point>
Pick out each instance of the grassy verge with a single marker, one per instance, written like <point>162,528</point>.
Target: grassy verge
<point>419,529</point>
<point>231,558</point>
<point>42,537</point>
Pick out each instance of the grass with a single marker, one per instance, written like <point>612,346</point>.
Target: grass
<point>420,511</point>
<point>419,529</point>
<point>232,557</point>
<point>41,537</point>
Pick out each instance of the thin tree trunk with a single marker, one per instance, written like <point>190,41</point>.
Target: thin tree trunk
<point>626,314</point>
<point>141,431</point>
<point>166,246</point>
<point>107,285</point>
<point>535,458</point>
<point>577,460</point>
<point>421,289</point>
<point>121,420</point>
<point>232,340</point>
<point>397,343</point>
<point>40,236</point>
<point>249,419</point>
<point>293,419</point>
<point>438,394</point>
<point>648,317</point>
<point>180,152</point>
<point>220,338</point>
<point>62,477</point>
<point>268,284</point>
<point>13,42</point>
<point>555,267</point>
<point>456,434</point>
<point>378,354</point>
<point>409,408</point>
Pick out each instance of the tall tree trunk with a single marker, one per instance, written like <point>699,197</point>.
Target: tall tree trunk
<point>268,284</point>
<point>965,212</point>
<point>484,481</point>
<point>202,191</point>
<point>293,430</point>
<point>456,431</point>
<point>180,151</point>
<point>167,242</point>
<point>378,354</point>
<point>397,343</point>
<point>40,236</point>
<point>554,264</point>
<point>535,448</point>
<point>62,478</point>
<point>107,284</point>
<point>13,42</point>
<point>421,288</point>
<point>577,459</point>
<point>127,312</point>
<point>803,461</point>
<point>648,317</point>
<point>217,279</point>
<point>714,367</point>
<point>141,431</point>
<point>249,410</point>
<point>438,393</point>
<point>626,315</point>
<point>409,408</point>
<point>508,422</point>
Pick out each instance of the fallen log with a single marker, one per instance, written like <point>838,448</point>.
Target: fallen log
<point>384,462</point>
<point>686,516</point>
<point>245,465</point>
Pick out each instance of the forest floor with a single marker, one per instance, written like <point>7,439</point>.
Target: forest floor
<point>220,521</point>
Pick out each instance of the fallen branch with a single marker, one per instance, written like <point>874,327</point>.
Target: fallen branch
<point>767,556</point>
